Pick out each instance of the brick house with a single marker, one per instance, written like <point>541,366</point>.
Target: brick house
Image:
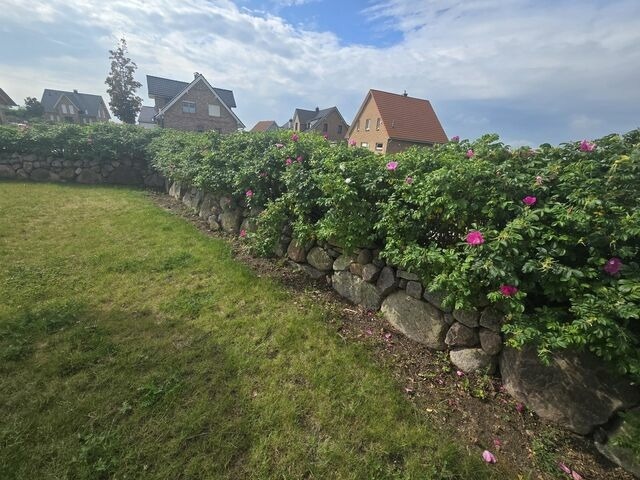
<point>390,123</point>
<point>5,102</point>
<point>73,107</point>
<point>195,106</point>
<point>327,122</point>
<point>265,126</point>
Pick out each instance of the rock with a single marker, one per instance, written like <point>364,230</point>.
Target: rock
<point>470,318</point>
<point>356,290</point>
<point>418,320</point>
<point>67,174</point>
<point>473,360</point>
<point>449,318</point>
<point>387,281</point>
<point>154,180</point>
<point>460,335</point>
<point>208,201</point>
<point>356,269</point>
<point>89,177</point>
<point>370,273</point>
<point>296,251</point>
<point>230,220</point>
<point>408,276</point>
<point>414,289</point>
<point>40,175</point>
<point>613,443</point>
<point>492,319</point>
<point>306,269</point>
<point>27,166</point>
<point>7,172</point>
<point>213,223</point>
<point>365,256</point>
<point>402,283</point>
<point>343,262</point>
<point>227,203</point>
<point>320,259</point>
<point>125,176</point>
<point>436,298</point>
<point>249,225</point>
<point>490,341</point>
<point>576,390</point>
<point>56,163</point>
<point>333,253</point>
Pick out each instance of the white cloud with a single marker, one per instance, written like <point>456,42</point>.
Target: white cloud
<point>562,59</point>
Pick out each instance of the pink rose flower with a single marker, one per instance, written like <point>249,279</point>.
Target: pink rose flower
<point>391,166</point>
<point>613,266</point>
<point>474,237</point>
<point>295,137</point>
<point>586,146</point>
<point>408,180</point>
<point>455,139</point>
<point>288,161</point>
<point>529,200</point>
<point>326,136</point>
<point>249,193</point>
<point>299,159</point>
<point>243,233</point>
<point>470,153</point>
<point>508,290</point>
<point>352,142</point>
<point>488,457</point>
<point>279,145</point>
<point>520,407</point>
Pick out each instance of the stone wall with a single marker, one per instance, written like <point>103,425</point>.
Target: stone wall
<point>575,390</point>
<point>52,169</point>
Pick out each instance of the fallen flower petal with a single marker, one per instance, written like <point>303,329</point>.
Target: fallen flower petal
<point>460,373</point>
<point>488,457</point>
<point>564,468</point>
<point>520,407</point>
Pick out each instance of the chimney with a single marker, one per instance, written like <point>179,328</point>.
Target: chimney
<point>405,94</point>
<point>317,109</point>
<point>195,75</point>
<point>75,91</point>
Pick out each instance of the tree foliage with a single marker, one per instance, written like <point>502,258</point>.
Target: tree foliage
<point>33,107</point>
<point>124,103</point>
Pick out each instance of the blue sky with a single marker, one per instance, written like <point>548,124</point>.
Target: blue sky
<point>532,71</point>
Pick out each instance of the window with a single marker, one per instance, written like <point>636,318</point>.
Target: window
<point>325,127</point>
<point>358,126</point>
<point>379,147</point>
<point>71,109</point>
<point>339,129</point>
<point>296,129</point>
<point>367,124</point>
<point>365,144</point>
<point>378,122</point>
<point>188,107</point>
<point>64,108</point>
<point>214,110</point>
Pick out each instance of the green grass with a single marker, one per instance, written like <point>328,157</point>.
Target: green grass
<point>132,346</point>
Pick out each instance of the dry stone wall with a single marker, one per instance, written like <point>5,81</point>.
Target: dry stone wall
<point>53,169</point>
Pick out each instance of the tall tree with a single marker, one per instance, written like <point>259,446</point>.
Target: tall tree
<point>33,107</point>
<point>124,103</point>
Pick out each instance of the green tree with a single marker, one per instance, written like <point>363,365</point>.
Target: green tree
<point>124,103</point>
<point>33,107</point>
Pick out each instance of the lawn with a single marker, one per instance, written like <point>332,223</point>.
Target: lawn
<point>133,346</point>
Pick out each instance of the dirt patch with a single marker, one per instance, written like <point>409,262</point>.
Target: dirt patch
<point>476,407</point>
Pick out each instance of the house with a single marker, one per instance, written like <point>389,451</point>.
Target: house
<point>5,102</point>
<point>265,126</point>
<point>327,122</point>
<point>145,117</point>
<point>195,106</point>
<point>390,123</point>
<point>73,107</point>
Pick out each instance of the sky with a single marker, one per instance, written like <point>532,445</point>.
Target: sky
<point>533,71</point>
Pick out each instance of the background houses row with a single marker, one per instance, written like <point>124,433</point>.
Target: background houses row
<point>385,122</point>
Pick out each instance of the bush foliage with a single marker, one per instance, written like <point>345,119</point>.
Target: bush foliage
<point>559,226</point>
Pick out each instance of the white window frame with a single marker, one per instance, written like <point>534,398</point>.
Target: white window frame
<point>367,125</point>
<point>379,147</point>
<point>364,144</point>
<point>187,104</point>
<point>63,106</point>
<point>214,110</point>
<point>378,122</point>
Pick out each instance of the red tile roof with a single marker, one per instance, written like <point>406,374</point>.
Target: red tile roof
<point>264,125</point>
<point>407,118</point>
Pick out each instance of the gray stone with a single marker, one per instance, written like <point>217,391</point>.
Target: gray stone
<point>296,251</point>
<point>280,250</point>
<point>364,256</point>
<point>611,443</point>
<point>7,172</point>
<point>414,289</point>
<point>356,269</point>
<point>306,269</point>
<point>576,390</point>
<point>227,203</point>
<point>492,319</point>
<point>56,163</point>
<point>125,176</point>
<point>370,273</point>
<point>343,262</point>
<point>490,341</point>
<point>320,259</point>
<point>460,335</point>
<point>27,166</point>
<point>449,318</point>
<point>249,225</point>
<point>418,320</point>
<point>378,262</point>
<point>208,200</point>
<point>230,220</point>
<point>387,281</point>
<point>473,360</point>
<point>333,253</point>
<point>408,275</point>
<point>21,174</point>
<point>154,180</point>
<point>89,177</point>
<point>67,174</point>
<point>436,298</point>
<point>402,283</point>
<point>213,223</point>
<point>356,290</point>
<point>470,318</point>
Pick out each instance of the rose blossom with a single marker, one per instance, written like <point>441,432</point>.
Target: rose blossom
<point>474,237</point>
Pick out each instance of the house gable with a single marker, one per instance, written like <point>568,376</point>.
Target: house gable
<point>375,137</point>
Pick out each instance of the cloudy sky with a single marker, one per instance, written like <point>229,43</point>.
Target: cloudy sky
<point>531,70</point>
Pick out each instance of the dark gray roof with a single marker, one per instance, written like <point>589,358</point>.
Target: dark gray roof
<point>167,88</point>
<point>6,99</point>
<point>146,114</point>
<point>83,101</point>
<point>312,117</point>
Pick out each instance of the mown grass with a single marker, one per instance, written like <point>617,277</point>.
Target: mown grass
<point>132,346</point>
